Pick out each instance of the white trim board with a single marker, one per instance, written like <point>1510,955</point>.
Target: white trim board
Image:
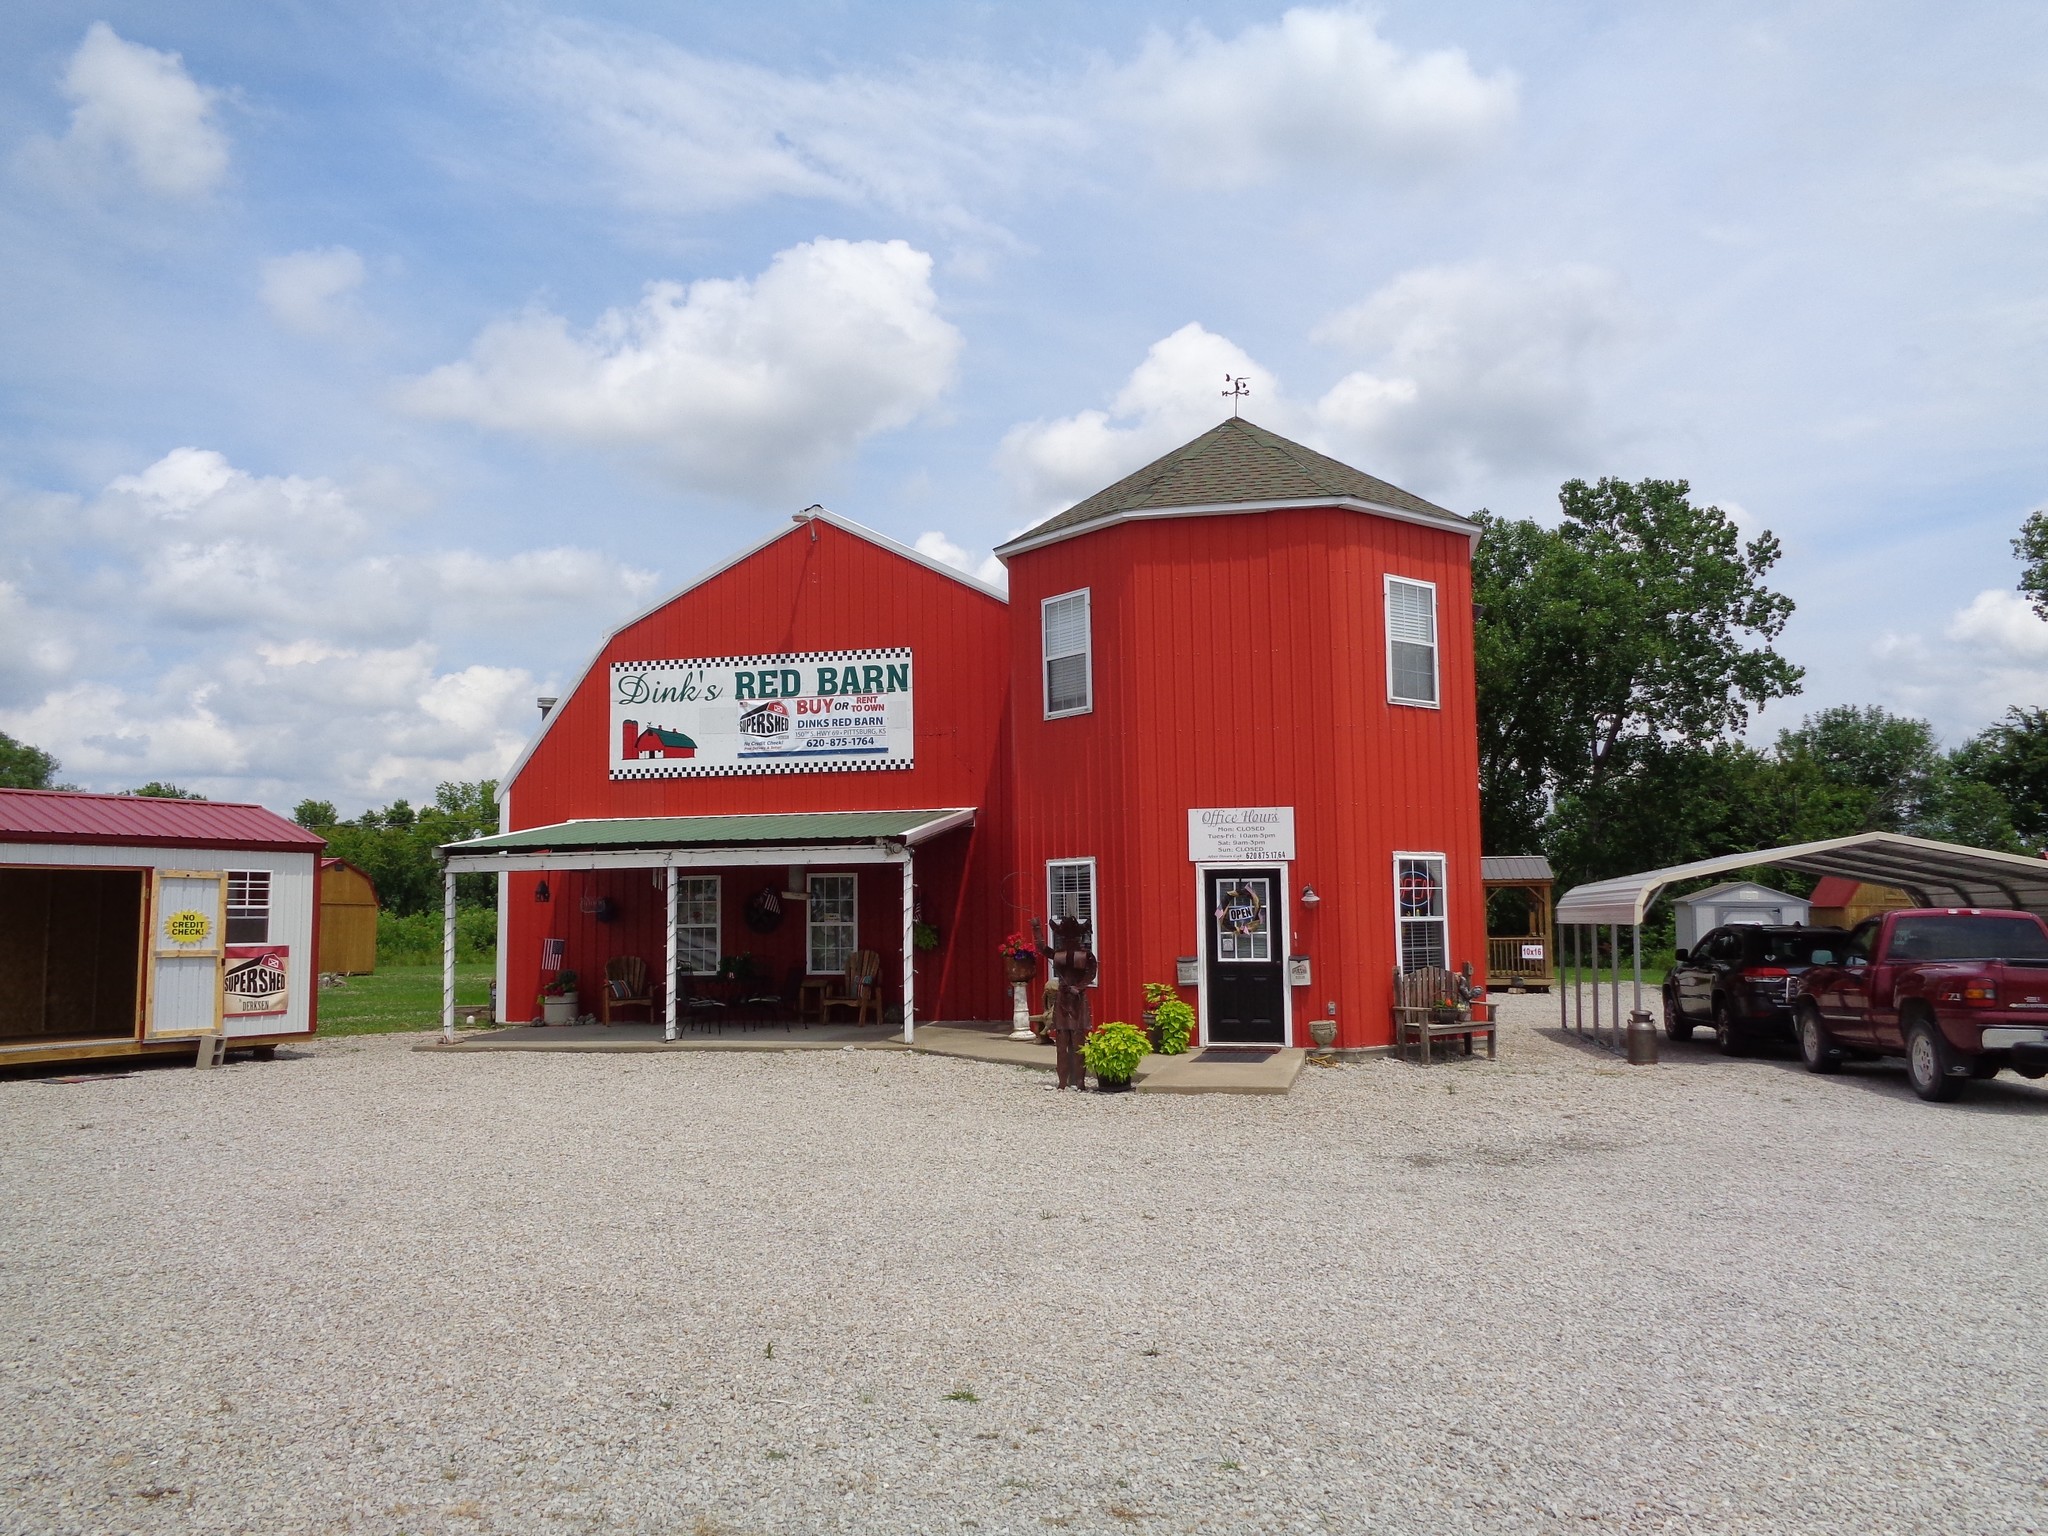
<point>1284,940</point>
<point>541,861</point>
<point>1450,522</point>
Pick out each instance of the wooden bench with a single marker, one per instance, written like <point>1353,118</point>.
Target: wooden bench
<point>1419,1014</point>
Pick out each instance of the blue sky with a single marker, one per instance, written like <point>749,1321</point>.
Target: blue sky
<point>360,365</point>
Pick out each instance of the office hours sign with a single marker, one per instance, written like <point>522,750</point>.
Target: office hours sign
<point>808,712</point>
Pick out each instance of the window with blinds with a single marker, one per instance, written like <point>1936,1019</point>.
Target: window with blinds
<point>1422,921</point>
<point>1070,892</point>
<point>1411,641</point>
<point>248,916</point>
<point>1069,682</point>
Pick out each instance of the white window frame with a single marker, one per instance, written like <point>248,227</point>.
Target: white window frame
<point>1086,653</point>
<point>246,883</point>
<point>812,927</point>
<point>716,926</point>
<point>1094,913</point>
<point>1443,867</point>
<point>1436,682</point>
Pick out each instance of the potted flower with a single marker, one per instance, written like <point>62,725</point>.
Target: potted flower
<point>1173,1028</point>
<point>1112,1052</point>
<point>558,1000</point>
<point>1156,993</point>
<point>1447,1010</point>
<point>1020,957</point>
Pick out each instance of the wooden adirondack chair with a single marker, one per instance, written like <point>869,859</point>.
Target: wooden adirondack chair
<point>862,990</point>
<point>625,986</point>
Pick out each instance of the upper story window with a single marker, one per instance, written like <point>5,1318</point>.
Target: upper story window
<point>248,906</point>
<point>1411,641</point>
<point>1069,673</point>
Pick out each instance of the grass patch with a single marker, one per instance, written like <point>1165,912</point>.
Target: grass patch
<point>398,997</point>
<point>961,1395</point>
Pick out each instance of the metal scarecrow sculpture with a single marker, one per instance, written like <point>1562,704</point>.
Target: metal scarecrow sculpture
<point>1073,968</point>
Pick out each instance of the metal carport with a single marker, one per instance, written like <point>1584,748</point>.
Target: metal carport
<point>1934,874</point>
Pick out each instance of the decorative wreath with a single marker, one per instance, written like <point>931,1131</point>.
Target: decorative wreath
<point>1245,917</point>
<point>764,910</point>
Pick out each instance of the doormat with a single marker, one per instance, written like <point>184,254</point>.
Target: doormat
<point>1238,1052</point>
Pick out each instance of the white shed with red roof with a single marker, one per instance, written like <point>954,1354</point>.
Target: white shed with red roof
<point>131,925</point>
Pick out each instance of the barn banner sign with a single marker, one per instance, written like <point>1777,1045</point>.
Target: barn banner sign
<point>808,712</point>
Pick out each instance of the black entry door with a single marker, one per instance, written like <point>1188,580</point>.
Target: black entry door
<point>1246,985</point>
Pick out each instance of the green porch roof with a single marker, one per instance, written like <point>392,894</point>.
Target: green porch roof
<point>822,828</point>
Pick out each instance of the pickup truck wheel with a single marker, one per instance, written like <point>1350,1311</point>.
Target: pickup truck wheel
<point>1928,1059</point>
<point>1675,1027</point>
<point>1815,1048</point>
<point>1727,1034</point>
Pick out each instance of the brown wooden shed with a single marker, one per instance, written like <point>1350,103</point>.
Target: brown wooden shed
<point>348,919</point>
<point>1524,957</point>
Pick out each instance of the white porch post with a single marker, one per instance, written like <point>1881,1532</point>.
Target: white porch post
<point>448,957</point>
<point>909,951</point>
<point>668,987</point>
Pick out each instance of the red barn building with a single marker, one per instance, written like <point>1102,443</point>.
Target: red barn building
<point>1227,713</point>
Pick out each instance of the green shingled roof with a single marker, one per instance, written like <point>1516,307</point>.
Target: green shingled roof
<point>707,831</point>
<point>1234,462</point>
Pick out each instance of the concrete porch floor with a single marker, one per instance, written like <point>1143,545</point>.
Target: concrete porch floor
<point>1189,1073</point>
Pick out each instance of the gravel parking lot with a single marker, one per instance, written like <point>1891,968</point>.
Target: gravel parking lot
<point>366,1289</point>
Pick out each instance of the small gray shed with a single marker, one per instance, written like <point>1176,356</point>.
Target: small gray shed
<point>1736,901</point>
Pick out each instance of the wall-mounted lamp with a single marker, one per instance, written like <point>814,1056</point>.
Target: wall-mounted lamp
<point>540,892</point>
<point>1309,898</point>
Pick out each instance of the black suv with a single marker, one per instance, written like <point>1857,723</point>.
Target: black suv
<point>1740,981</point>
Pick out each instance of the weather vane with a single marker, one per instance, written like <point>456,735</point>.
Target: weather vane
<point>1239,388</point>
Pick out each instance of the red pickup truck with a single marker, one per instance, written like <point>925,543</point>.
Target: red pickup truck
<point>1959,992</point>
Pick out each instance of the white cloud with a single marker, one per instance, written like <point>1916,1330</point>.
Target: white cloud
<point>739,386</point>
<point>1475,369</point>
<point>257,636</point>
<point>1991,654</point>
<point>1319,91</point>
<point>308,291</point>
<point>135,111</point>
<point>1174,394</point>
<point>680,132</point>
<point>942,549</point>
<point>1979,184</point>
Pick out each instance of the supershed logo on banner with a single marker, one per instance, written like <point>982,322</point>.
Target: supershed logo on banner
<point>811,712</point>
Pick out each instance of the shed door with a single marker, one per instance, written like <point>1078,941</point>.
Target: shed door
<point>1768,917</point>
<point>187,911</point>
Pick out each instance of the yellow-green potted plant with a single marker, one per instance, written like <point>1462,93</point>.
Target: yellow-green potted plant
<point>1112,1052</point>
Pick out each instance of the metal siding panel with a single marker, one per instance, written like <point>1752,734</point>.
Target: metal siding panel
<point>797,594</point>
<point>1297,717</point>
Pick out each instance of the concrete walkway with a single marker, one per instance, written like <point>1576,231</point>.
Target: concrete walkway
<point>1197,1071</point>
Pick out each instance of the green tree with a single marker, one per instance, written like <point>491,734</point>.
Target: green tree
<point>1859,769</point>
<point>2011,758</point>
<point>25,767</point>
<point>2031,547</point>
<point>396,844</point>
<point>156,789</point>
<point>1609,649</point>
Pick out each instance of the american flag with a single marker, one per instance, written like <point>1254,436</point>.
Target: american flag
<point>551,954</point>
